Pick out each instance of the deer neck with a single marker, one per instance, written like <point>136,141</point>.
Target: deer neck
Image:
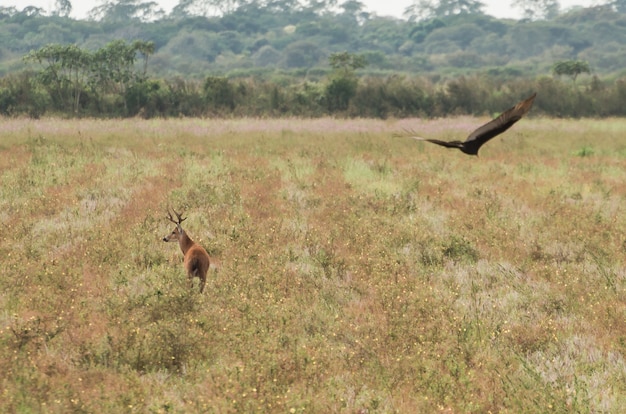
<point>185,242</point>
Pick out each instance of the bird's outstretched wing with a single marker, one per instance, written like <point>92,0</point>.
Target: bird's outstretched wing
<point>484,133</point>
<point>498,125</point>
<point>447,144</point>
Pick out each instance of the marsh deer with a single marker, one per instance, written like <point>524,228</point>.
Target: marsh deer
<point>196,258</point>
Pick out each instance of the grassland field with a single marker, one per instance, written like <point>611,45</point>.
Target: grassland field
<point>353,271</point>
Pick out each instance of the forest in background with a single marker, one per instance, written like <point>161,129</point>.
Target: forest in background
<point>261,58</point>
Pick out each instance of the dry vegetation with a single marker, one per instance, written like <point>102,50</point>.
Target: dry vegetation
<point>356,272</point>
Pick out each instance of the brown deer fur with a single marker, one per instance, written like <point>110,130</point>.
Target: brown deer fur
<point>196,260</point>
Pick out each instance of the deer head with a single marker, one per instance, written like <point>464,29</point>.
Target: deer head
<point>176,234</point>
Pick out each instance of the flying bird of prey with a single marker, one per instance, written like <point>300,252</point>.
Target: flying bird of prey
<point>495,127</point>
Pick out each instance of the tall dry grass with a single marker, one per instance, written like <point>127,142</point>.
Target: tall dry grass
<point>356,272</point>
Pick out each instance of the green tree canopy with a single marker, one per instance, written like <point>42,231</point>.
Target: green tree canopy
<point>62,8</point>
<point>571,68</point>
<point>537,9</point>
<point>346,62</point>
<point>429,9</point>
<point>119,11</point>
<point>65,72</point>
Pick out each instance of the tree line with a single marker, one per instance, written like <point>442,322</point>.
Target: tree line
<point>113,81</point>
<point>277,38</point>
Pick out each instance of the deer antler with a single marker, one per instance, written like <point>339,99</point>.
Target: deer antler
<point>179,217</point>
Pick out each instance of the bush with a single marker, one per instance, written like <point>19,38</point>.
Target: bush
<point>219,94</point>
<point>339,92</point>
<point>19,94</point>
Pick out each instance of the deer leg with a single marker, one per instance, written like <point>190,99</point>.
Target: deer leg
<point>190,280</point>
<point>195,273</point>
<point>202,283</point>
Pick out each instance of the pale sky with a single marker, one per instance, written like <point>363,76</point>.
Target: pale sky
<point>497,8</point>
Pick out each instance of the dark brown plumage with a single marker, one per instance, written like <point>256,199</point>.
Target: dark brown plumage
<point>495,127</point>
